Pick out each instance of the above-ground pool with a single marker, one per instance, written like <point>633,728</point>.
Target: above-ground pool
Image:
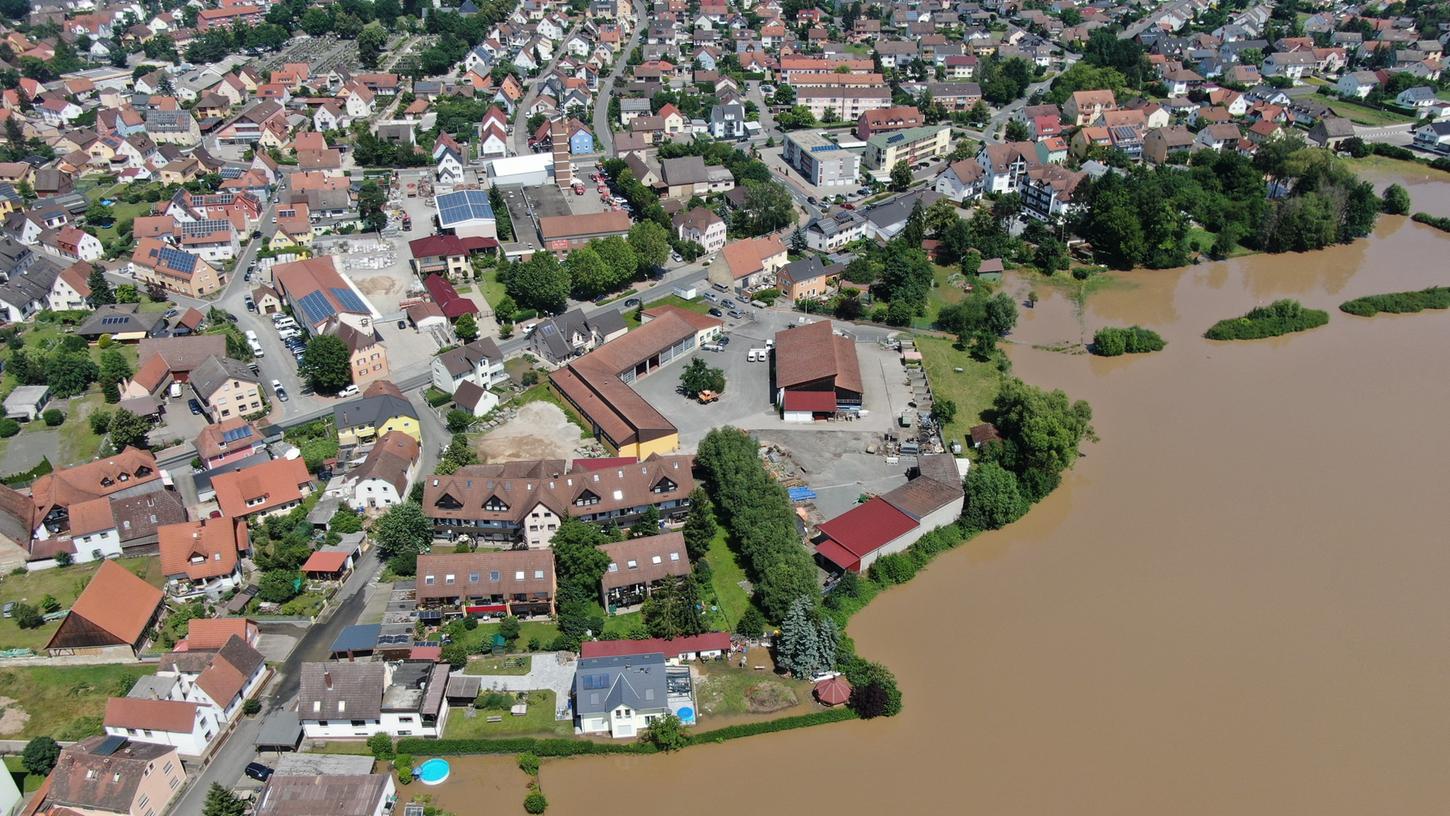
<point>432,772</point>
<point>686,715</point>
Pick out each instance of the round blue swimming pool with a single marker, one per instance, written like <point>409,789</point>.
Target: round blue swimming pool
<point>686,715</point>
<point>432,772</point>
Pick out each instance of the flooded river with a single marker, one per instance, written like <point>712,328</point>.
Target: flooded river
<point>1236,603</point>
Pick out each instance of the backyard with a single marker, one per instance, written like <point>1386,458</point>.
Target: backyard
<point>539,721</point>
<point>515,666</point>
<point>724,690</point>
<point>27,782</point>
<point>956,375</point>
<point>65,584</point>
<point>65,702</point>
<point>727,578</point>
<point>1366,115</point>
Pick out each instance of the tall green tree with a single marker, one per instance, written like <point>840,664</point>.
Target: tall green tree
<point>651,244</point>
<point>370,201</point>
<point>539,283</point>
<point>589,277</point>
<point>40,755</point>
<point>326,364</point>
<point>128,430</point>
<point>993,498</point>
<point>403,533</point>
<point>101,293</point>
<point>222,802</point>
<point>619,257</point>
<point>900,176</point>
<point>701,376</point>
<point>466,327</point>
<point>673,608</point>
<point>700,527</point>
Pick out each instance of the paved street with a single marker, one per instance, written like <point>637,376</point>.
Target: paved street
<point>520,138</point>
<point>314,645</point>
<point>603,134</point>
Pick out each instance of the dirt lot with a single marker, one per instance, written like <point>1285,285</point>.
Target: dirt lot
<point>539,431</point>
<point>379,285</point>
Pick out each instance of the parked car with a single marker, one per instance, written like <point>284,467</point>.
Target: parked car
<point>247,301</point>
<point>402,324</point>
<point>170,313</point>
<point>350,391</point>
<point>710,296</point>
<point>632,302</point>
<point>9,609</point>
<point>716,313</point>
<point>281,395</point>
<point>258,771</point>
<point>194,405</point>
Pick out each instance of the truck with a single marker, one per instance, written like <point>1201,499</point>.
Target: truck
<point>686,292</point>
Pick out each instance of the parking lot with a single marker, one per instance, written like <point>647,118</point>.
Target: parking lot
<point>748,401</point>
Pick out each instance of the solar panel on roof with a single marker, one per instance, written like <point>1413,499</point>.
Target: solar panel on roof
<point>178,260</point>
<point>237,433</point>
<point>110,745</point>
<point>316,307</point>
<point>349,299</point>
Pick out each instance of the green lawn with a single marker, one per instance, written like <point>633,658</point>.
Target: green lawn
<point>726,574</point>
<point>543,631</point>
<point>943,293</point>
<point>516,665</point>
<point>972,389</point>
<point>539,721</point>
<point>1365,115</point>
<point>65,583</point>
<point>27,782</point>
<point>1402,167</point>
<point>66,702</point>
<point>725,689</point>
<point>77,442</point>
<point>492,288</point>
<point>1206,238</point>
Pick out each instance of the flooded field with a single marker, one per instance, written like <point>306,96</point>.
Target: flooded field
<point>1235,603</point>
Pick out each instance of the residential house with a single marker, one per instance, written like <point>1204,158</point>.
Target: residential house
<point>333,794</point>
<point>174,269</point>
<point>1083,107</point>
<point>187,728</point>
<point>750,263</point>
<point>479,362</point>
<point>620,696</point>
<point>961,180</point>
<point>638,565</point>
<point>702,226</point>
<point>1357,84</point>
<point>381,409</point>
<point>383,478</point>
<point>367,356</point>
<point>264,489</point>
<point>202,557</point>
<point>487,583</point>
<point>227,441</point>
<point>1161,143</point>
<point>226,389</point>
<point>357,700</point>
<point>524,502</point>
<point>104,776</point>
<point>834,230</point>
<point>806,279</point>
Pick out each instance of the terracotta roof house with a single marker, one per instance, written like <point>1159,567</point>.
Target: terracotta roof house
<point>227,441</point>
<point>110,617</point>
<point>816,372</point>
<point>637,565</point>
<point>103,775</point>
<point>383,478</point>
<point>220,678</point>
<point>526,501</point>
<point>95,510</point>
<point>263,489</point>
<point>514,582</point>
<point>202,557</point>
<point>749,263</point>
<point>207,634</point>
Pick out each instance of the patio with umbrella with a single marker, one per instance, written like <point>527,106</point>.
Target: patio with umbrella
<point>833,691</point>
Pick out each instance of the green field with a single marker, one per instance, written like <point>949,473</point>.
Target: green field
<point>1365,115</point>
<point>726,574</point>
<point>27,782</point>
<point>973,389</point>
<point>1205,239</point>
<point>65,702</point>
<point>65,583</point>
<point>538,722</point>
<point>516,666</point>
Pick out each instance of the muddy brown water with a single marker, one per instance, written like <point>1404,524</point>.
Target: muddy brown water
<point>1235,603</point>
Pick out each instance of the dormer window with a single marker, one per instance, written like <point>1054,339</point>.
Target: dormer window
<point>664,486</point>
<point>493,575</point>
<point>586,498</point>
<point>106,481</point>
<point>142,472</point>
<point>495,505</point>
<point>447,502</point>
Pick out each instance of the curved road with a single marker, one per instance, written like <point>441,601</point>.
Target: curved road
<point>603,135</point>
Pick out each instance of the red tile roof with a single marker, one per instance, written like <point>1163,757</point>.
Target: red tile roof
<point>276,482</point>
<point>453,304</point>
<point>669,647</point>
<point>867,527</point>
<point>117,602</point>
<point>814,401</point>
<point>171,716</point>
<point>328,561</point>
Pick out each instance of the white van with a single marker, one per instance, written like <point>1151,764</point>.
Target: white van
<point>175,390</point>
<point>251,336</point>
<point>256,348</point>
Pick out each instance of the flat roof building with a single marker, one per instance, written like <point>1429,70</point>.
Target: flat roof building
<point>821,161</point>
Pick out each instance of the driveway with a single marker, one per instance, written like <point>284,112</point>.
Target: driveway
<point>549,670</point>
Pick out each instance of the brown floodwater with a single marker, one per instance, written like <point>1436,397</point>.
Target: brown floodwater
<point>1236,602</point>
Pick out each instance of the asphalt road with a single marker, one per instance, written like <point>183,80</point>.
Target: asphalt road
<point>315,645</point>
<point>603,134</point>
<point>520,136</point>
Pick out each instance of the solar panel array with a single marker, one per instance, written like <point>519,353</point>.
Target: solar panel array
<point>595,682</point>
<point>178,260</point>
<point>114,320</point>
<point>236,433</point>
<point>316,307</point>
<point>349,299</point>
<point>205,227</point>
<point>464,205</point>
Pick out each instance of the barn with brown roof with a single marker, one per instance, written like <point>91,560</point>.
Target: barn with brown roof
<point>816,373</point>
<point>110,617</point>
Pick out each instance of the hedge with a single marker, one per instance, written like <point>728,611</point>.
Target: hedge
<point>568,747</point>
<point>26,477</point>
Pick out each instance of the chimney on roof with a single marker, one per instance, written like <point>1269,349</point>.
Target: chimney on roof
<point>327,678</point>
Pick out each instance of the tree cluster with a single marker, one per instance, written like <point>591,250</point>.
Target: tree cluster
<point>1280,317</point>
<point>1041,431</point>
<point>701,376</point>
<point>1112,341</point>
<point>758,514</point>
<point>402,534</point>
<point>674,609</point>
<point>579,564</point>
<point>808,640</point>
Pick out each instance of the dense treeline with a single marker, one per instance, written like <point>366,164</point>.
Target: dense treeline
<point>1142,217</point>
<point>1280,317</point>
<point>1436,297</point>
<point>757,512</point>
<point>1429,220</point>
<point>1041,431</point>
<point>1112,341</point>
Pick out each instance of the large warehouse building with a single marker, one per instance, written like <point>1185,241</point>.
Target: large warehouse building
<point>597,384</point>
<point>816,373</point>
<point>467,214</point>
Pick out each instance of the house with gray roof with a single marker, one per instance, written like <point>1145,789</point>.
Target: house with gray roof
<point>341,700</point>
<point>621,695</point>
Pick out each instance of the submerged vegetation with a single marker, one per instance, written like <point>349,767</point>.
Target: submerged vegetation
<point>1280,317</point>
<point>1113,341</point>
<point>1436,297</point>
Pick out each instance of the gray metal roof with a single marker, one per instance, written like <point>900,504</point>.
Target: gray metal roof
<point>602,684</point>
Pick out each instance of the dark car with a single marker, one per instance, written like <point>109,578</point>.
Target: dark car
<point>194,405</point>
<point>402,324</point>
<point>811,201</point>
<point>258,771</point>
<point>724,341</point>
<point>632,302</point>
<point>256,234</point>
<point>248,276</point>
<point>282,394</point>
<point>713,313</point>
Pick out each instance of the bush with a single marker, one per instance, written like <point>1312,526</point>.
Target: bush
<point>494,700</point>
<point>382,747</point>
<point>1278,318</point>
<point>52,417</point>
<point>403,765</point>
<point>27,616</point>
<point>1396,200</point>
<point>103,342</point>
<point>1436,297</point>
<point>252,707</point>
<point>436,398</point>
<point>1111,341</point>
<point>1394,152</point>
<point>458,421</point>
<point>529,764</point>
<point>8,427</point>
<point>100,421</point>
<point>666,733</point>
<point>535,802</point>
